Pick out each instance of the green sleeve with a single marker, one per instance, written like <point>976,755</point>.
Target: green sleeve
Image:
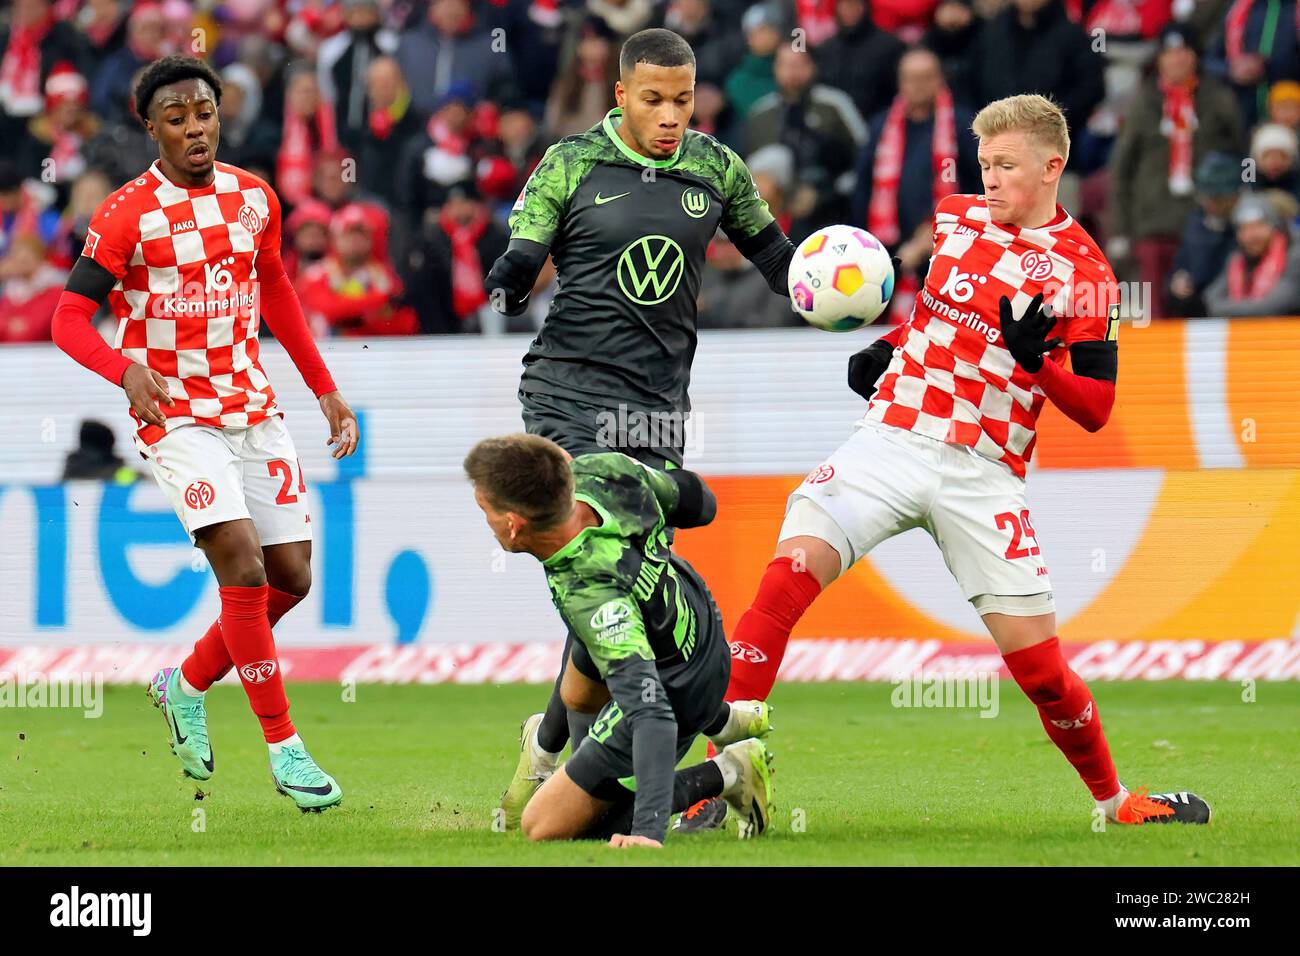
<point>744,211</point>
<point>666,491</point>
<point>608,622</point>
<point>541,205</point>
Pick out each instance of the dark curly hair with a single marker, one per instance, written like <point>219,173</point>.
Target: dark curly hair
<point>168,70</point>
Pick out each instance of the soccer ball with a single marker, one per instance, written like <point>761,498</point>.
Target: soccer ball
<point>841,278</point>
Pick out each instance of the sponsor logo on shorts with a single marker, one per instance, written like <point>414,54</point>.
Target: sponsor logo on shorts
<point>199,495</point>
<point>820,475</point>
<point>747,652</point>
<point>258,672</point>
<point>1076,723</point>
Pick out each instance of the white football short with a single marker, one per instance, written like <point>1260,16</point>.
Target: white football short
<point>886,480</point>
<point>211,475</point>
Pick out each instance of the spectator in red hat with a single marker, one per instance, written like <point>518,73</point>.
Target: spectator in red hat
<point>308,233</point>
<point>32,44</point>
<point>31,289</point>
<point>353,290</point>
<point>57,138</point>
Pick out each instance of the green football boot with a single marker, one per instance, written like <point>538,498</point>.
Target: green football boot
<point>187,723</point>
<point>297,776</point>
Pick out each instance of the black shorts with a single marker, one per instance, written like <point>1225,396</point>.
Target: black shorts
<point>603,762</point>
<point>583,428</point>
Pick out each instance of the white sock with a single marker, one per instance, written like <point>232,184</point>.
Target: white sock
<point>540,756</point>
<point>1111,807</point>
<point>730,768</point>
<point>187,688</point>
<point>293,741</point>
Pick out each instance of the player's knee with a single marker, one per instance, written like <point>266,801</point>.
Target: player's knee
<point>295,580</point>
<point>584,700</point>
<point>536,826</point>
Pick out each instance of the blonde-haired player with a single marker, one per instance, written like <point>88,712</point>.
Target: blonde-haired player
<point>951,427</point>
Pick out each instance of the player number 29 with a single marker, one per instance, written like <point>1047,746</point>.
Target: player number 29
<point>1020,530</point>
<point>278,466</point>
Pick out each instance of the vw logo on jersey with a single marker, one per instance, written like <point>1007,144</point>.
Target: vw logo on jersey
<point>650,269</point>
<point>1036,265</point>
<point>216,277</point>
<point>250,219</point>
<point>695,202</point>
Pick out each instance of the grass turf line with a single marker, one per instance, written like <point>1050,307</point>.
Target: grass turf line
<point>858,782</point>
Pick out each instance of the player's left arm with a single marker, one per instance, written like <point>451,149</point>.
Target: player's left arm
<point>290,327</point>
<point>609,624</point>
<point>1087,394</point>
<point>750,226</point>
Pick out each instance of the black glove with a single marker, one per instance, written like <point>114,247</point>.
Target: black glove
<point>1026,338</point>
<point>866,367</point>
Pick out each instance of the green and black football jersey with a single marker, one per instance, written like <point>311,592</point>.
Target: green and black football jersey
<point>628,236</point>
<point>617,585</point>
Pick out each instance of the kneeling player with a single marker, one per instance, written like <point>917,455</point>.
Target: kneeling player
<point>650,652</point>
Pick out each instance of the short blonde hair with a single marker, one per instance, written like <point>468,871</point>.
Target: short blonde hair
<point>1035,116</point>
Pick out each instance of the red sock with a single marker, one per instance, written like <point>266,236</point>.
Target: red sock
<point>1068,712</point>
<point>246,630</point>
<point>783,596</point>
<point>210,661</point>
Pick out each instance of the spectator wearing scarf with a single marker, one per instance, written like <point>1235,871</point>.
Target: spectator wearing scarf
<point>1263,273</point>
<point>1260,45</point>
<point>1178,117</point>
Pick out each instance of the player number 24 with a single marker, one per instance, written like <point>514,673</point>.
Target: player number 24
<point>278,466</point>
<point>1020,530</point>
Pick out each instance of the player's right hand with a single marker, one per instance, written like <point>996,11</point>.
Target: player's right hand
<point>866,367</point>
<point>146,388</point>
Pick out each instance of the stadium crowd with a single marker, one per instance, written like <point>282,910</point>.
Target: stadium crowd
<point>398,134</point>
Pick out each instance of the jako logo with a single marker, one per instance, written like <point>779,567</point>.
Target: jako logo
<point>258,672</point>
<point>217,278</point>
<point>960,286</point>
<point>182,225</point>
<point>75,909</point>
<point>610,614</point>
<point>1083,720</point>
<point>747,652</point>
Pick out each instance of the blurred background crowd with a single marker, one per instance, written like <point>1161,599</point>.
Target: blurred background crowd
<point>398,134</point>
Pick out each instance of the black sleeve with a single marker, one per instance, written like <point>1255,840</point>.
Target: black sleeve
<point>1095,360</point>
<point>90,279</point>
<point>634,684</point>
<point>771,251</point>
<point>514,274</point>
<point>696,504</point>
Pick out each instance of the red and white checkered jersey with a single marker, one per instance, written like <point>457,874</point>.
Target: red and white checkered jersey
<point>951,378</point>
<point>186,296</point>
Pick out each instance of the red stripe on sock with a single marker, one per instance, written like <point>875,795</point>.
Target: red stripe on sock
<point>1068,712</point>
<point>759,641</point>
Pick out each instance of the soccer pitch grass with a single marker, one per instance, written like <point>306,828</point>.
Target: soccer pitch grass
<point>858,782</point>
